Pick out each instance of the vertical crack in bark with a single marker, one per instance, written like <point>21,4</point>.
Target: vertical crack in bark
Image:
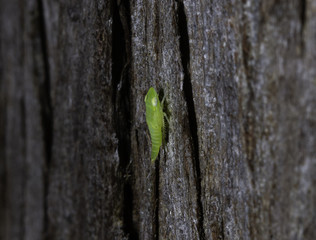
<point>303,20</point>
<point>156,223</point>
<point>187,87</point>
<point>249,123</point>
<point>303,12</point>
<point>248,117</point>
<point>157,179</point>
<point>121,55</point>
<point>3,174</point>
<point>46,112</point>
<point>23,178</point>
<point>222,230</point>
<point>156,27</point>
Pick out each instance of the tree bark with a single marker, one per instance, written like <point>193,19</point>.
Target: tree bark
<point>239,159</point>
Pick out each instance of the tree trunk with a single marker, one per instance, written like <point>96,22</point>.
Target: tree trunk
<point>239,159</point>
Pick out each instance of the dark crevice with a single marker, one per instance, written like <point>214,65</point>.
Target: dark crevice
<point>3,172</point>
<point>23,127</point>
<point>121,54</point>
<point>303,12</point>
<point>249,123</point>
<point>303,20</point>
<point>187,87</point>
<point>22,201</point>
<point>157,27</point>
<point>248,117</point>
<point>156,220</point>
<point>46,112</point>
<point>222,229</point>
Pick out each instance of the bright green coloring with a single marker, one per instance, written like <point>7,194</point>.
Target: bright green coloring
<point>155,121</point>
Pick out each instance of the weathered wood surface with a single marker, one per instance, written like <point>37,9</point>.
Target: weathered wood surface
<point>240,84</point>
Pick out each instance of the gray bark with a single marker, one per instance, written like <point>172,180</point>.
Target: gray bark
<point>239,80</point>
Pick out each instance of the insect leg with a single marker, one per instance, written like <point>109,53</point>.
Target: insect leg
<point>166,117</point>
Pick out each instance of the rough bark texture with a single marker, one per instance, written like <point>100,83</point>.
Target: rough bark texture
<point>239,79</point>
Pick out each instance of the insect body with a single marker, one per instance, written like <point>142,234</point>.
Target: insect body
<point>155,121</point>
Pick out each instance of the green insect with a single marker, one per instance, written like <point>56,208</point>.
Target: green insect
<point>155,121</point>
